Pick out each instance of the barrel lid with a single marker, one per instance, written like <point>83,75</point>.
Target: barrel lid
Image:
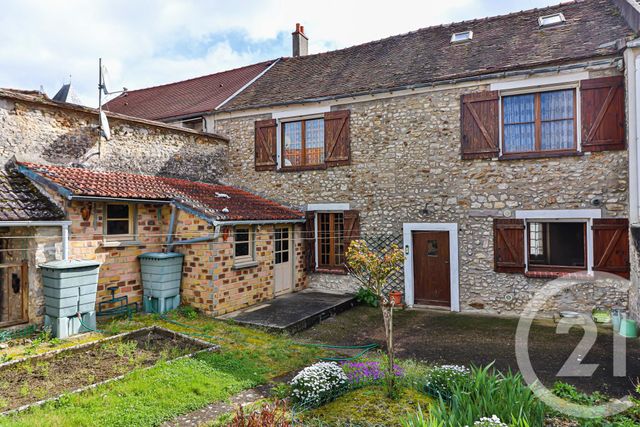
<point>160,255</point>
<point>66,265</point>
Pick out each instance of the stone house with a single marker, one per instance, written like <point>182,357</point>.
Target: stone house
<point>494,151</point>
<point>117,202</point>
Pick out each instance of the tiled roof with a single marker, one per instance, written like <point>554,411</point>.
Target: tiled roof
<point>425,56</point>
<point>20,200</point>
<point>217,202</point>
<point>184,98</point>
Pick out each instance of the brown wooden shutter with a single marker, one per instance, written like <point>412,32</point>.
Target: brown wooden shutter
<point>337,139</point>
<point>309,239</point>
<point>611,246</point>
<point>265,147</point>
<point>602,114</point>
<point>508,245</point>
<point>351,229</point>
<point>479,125</point>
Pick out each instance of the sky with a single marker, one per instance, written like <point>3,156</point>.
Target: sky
<point>47,43</point>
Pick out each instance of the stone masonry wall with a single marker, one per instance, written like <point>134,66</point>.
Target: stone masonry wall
<point>66,135</point>
<point>406,168</point>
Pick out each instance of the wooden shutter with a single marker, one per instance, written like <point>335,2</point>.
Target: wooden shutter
<point>351,229</point>
<point>602,114</point>
<point>508,245</point>
<point>265,147</point>
<point>611,246</point>
<point>337,139</point>
<point>479,125</point>
<point>309,239</point>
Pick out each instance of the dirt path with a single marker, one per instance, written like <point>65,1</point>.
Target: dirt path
<point>443,337</point>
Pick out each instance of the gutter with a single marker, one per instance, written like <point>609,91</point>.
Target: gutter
<point>118,199</point>
<point>259,222</point>
<point>453,81</point>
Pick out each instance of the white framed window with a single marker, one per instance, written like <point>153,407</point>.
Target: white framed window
<point>549,20</point>
<point>243,245</point>
<point>461,37</point>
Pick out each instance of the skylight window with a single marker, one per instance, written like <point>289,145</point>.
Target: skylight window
<point>548,20</point>
<point>461,37</point>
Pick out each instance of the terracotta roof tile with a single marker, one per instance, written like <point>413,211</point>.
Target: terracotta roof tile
<point>20,200</point>
<point>507,42</point>
<point>184,98</point>
<point>218,202</point>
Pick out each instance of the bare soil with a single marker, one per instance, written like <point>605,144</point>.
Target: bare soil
<point>450,338</point>
<point>45,377</point>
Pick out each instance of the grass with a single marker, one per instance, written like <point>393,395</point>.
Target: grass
<point>247,358</point>
<point>367,406</point>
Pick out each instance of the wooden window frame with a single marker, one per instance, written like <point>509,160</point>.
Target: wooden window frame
<point>244,260</point>
<point>303,145</point>
<point>555,268</point>
<point>538,151</point>
<point>332,266</point>
<point>131,235</point>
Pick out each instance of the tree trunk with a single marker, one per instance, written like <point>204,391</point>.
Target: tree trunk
<point>387,316</point>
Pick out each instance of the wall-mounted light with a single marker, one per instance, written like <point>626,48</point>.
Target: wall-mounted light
<point>406,249</point>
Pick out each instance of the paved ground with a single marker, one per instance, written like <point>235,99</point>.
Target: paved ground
<point>293,312</point>
<point>443,337</point>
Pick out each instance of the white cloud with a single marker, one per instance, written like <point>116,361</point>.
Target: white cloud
<point>148,42</point>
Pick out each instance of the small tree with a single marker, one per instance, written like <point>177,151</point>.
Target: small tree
<point>373,270</point>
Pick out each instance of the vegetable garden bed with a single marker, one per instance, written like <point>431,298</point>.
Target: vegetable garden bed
<point>37,379</point>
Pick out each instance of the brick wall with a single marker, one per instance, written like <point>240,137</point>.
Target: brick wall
<point>406,168</point>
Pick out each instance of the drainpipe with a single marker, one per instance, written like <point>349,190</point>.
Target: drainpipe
<point>172,224</point>
<point>65,242</point>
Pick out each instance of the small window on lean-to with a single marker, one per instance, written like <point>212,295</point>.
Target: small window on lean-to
<point>119,221</point>
<point>557,244</point>
<point>243,245</point>
<point>303,143</point>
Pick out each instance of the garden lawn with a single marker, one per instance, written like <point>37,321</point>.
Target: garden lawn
<point>247,358</point>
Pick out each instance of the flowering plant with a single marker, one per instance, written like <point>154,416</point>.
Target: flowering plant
<point>492,421</point>
<point>442,379</point>
<point>363,373</point>
<point>318,383</point>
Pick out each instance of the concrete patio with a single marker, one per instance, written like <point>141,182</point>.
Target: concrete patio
<point>293,312</point>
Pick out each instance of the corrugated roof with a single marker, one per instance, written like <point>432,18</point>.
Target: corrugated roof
<point>217,202</point>
<point>501,43</point>
<point>184,98</point>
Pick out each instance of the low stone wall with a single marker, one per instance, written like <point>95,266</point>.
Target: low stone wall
<point>38,129</point>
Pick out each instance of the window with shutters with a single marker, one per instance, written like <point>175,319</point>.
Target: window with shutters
<point>557,245</point>
<point>303,143</point>
<point>313,142</point>
<point>543,122</point>
<point>328,235</point>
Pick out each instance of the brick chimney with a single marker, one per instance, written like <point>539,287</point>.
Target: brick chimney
<point>300,42</point>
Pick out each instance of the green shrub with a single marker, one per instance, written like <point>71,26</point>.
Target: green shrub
<point>440,381</point>
<point>418,419</point>
<point>366,296</point>
<point>487,392</point>
<point>318,384</point>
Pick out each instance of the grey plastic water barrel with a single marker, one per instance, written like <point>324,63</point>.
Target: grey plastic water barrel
<point>69,287</point>
<point>161,277</point>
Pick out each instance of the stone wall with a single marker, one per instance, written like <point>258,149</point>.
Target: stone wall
<point>42,130</point>
<point>406,168</point>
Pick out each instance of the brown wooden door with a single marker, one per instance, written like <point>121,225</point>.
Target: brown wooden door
<point>431,273</point>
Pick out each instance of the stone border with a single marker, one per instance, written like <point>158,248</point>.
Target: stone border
<point>74,349</point>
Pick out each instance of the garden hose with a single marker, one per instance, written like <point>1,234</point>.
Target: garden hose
<point>87,327</point>
<point>365,349</point>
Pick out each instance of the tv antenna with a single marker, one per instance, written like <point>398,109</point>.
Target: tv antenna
<point>102,88</point>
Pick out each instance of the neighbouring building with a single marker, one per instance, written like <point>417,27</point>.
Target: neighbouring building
<point>494,151</point>
<point>117,203</point>
<point>186,102</point>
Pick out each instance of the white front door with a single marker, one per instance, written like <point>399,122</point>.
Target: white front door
<point>283,262</point>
